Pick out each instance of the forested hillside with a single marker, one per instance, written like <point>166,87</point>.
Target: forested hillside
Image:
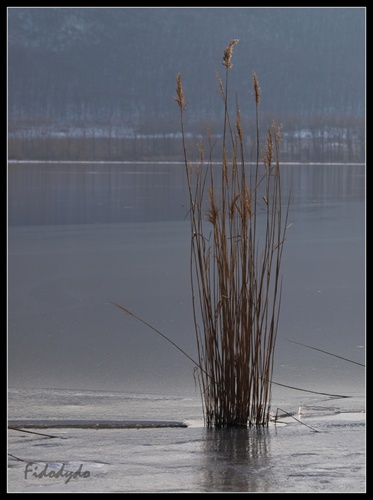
<point>110,72</point>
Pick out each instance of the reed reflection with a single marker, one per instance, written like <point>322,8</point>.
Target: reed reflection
<point>236,460</point>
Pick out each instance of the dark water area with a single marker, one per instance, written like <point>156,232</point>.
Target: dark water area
<point>98,193</point>
<point>106,193</point>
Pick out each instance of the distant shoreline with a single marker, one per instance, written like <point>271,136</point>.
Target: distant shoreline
<point>168,162</point>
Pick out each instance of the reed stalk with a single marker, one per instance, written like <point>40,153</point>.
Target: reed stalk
<point>238,226</point>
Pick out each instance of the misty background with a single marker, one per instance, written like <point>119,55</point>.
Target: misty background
<point>99,83</point>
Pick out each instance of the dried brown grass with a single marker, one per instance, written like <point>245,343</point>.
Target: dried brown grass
<point>238,227</point>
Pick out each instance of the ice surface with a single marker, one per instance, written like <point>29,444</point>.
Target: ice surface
<point>287,457</point>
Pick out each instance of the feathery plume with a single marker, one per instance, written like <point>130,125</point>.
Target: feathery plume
<point>228,54</point>
<point>180,93</point>
<point>256,89</point>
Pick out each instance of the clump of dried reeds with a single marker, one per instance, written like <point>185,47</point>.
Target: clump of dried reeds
<point>237,235</point>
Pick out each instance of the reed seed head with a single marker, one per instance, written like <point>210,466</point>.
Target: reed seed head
<point>220,83</point>
<point>228,54</point>
<point>256,89</point>
<point>269,148</point>
<point>238,125</point>
<point>248,206</point>
<point>233,207</point>
<point>213,210</point>
<point>180,99</point>
<point>225,166</point>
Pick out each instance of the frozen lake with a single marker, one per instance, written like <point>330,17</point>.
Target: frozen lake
<point>83,235</point>
<point>326,456</point>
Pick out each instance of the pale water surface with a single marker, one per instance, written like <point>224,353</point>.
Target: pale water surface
<point>83,235</point>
